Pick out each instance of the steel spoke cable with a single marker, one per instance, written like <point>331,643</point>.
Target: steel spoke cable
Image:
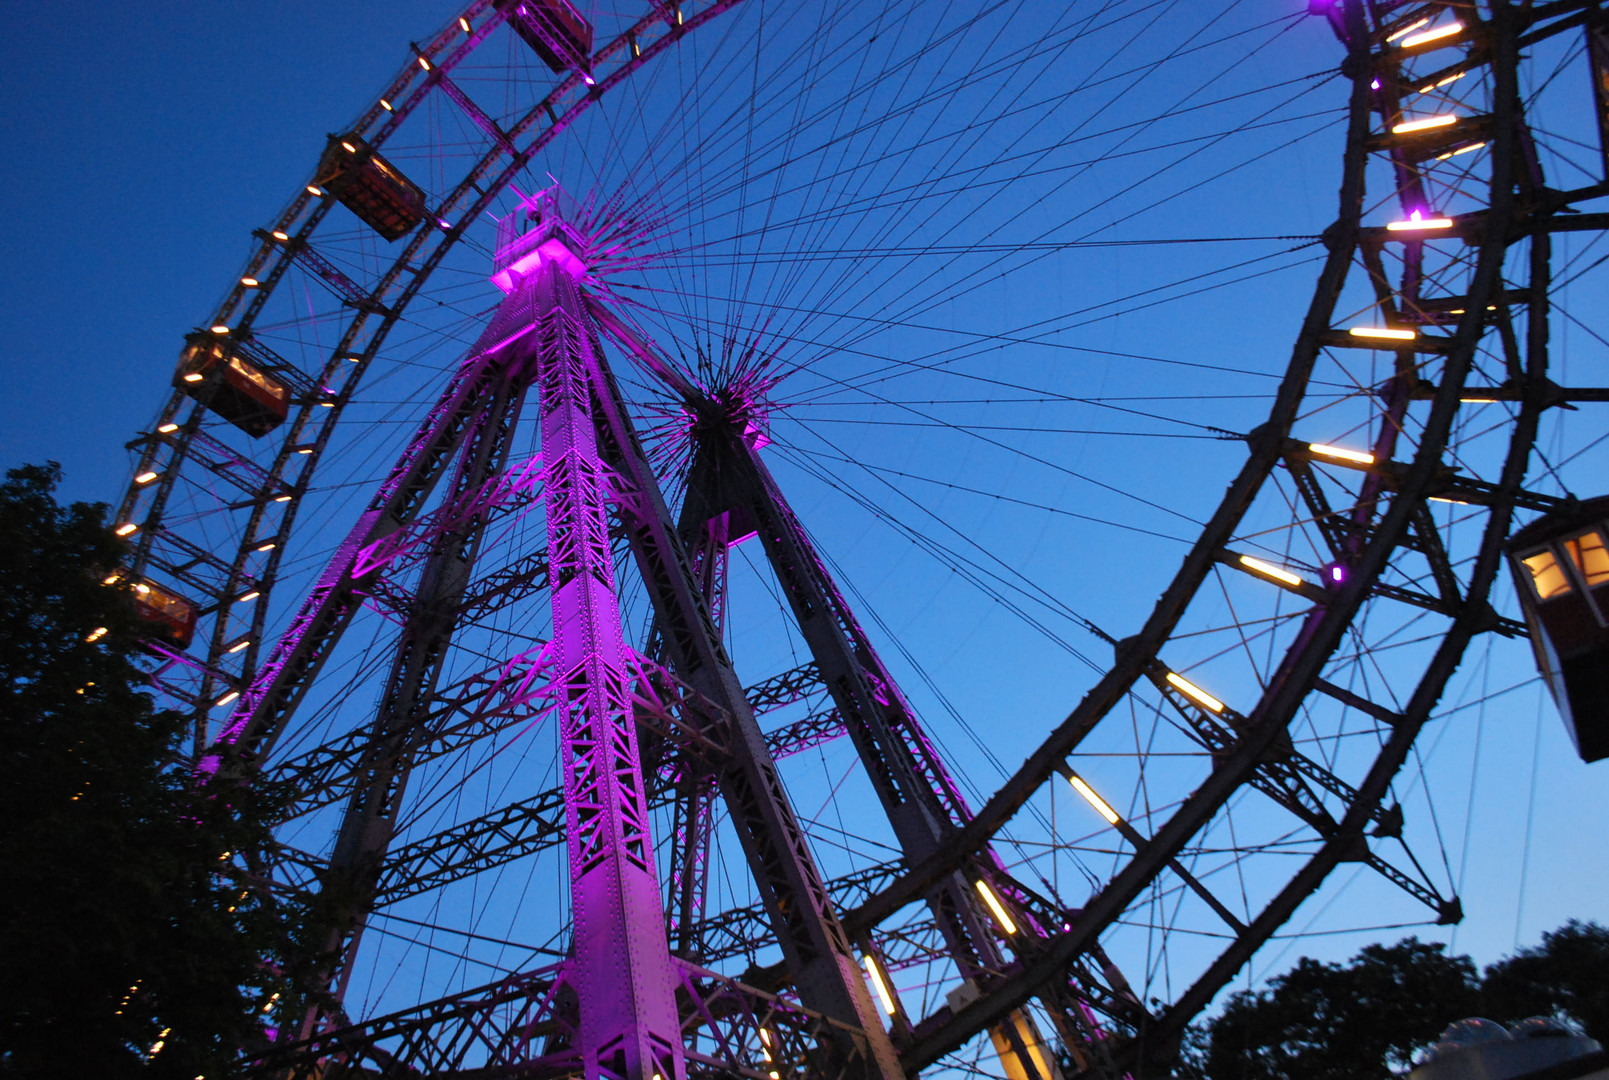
<point>1134,133</point>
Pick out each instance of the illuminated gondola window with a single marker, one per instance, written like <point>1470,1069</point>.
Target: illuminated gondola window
<point>1590,556</point>
<point>1547,576</point>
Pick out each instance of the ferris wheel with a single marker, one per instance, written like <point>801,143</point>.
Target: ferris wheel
<point>679,494</point>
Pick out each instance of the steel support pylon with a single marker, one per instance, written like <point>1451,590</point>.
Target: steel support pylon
<point>729,481</point>
<point>622,970</point>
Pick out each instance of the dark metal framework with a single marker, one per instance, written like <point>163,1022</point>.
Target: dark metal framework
<point>1443,294</point>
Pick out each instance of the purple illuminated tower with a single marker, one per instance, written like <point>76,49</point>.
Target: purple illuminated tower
<point>622,970</point>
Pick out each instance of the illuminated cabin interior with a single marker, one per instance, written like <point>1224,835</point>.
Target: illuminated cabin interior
<point>235,388</point>
<point>1561,567</point>
<point>554,30</point>
<point>170,614</point>
<point>370,186</point>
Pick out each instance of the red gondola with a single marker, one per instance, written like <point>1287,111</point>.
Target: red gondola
<point>169,614</point>
<point>1561,562</point>
<point>370,186</point>
<point>240,391</point>
<point>556,31</point>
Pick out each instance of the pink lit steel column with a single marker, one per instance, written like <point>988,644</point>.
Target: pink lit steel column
<point>622,970</point>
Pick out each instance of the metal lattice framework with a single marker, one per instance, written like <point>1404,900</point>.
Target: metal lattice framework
<point>550,551</point>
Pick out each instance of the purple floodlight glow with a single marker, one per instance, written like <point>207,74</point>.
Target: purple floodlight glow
<point>547,251</point>
<point>1337,573</point>
<point>1375,85</point>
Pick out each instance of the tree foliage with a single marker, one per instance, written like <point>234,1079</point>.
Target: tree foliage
<point>1368,1017</point>
<point>128,922</point>
<point>1567,975</point>
<point>1333,1021</point>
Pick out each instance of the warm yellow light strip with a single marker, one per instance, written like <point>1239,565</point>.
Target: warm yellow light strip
<point>1432,35</point>
<point>1471,148</point>
<point>1195,693</point>
<point>1386,332</point>
<point>1408,127</point>
<point>881,984</point>
<point>1269,570</point>
<point>1421,224</point>
<point>1093,799</point>
<point>1454,77</point>
<point>995,906</point>
<point>1410,28</point>
<point>1341,453</point>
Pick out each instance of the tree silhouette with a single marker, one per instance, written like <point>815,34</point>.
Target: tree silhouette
<point>1332,1021</point>
<point>128,926</point>
<point>1370,1016</point>
<point>1567,975</point>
